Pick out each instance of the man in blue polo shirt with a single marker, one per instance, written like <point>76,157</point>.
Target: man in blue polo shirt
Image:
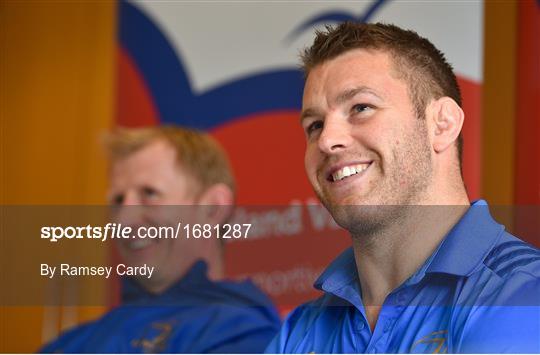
<point>161,176</point>
<point>427,271</point>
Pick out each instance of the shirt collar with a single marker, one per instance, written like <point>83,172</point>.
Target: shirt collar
<point>341,279</point>
<point>339,273</point>
<point>461,252</point>
<point>468,242</point>
<point>132,291</point>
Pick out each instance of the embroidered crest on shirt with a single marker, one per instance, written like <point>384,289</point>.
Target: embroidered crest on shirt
<point>158,340</point>
<point>433,343</point>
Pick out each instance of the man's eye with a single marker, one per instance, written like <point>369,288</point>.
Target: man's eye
<point>360,108</point>
<point>117,200</point>
<point>314,126</point>
<point>149,192</point>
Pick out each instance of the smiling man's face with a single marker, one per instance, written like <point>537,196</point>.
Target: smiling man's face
<point>365,145</point>
<point>150,188</point>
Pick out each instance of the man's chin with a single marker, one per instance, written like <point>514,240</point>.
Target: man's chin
<point>155,284</point>
<point>150,261</point>
<point>354,197</point>
<point>364,219</point>
<point>139,260</point>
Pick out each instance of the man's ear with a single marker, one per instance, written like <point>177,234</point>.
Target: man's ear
<point>446,122</point>
<point>219,199</point>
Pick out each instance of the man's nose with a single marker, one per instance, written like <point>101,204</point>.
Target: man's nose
<point>335,135</point>
<point>131,198</point>
<point>129,215</point>
<point>130,211</point>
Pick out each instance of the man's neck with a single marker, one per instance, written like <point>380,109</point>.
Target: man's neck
<point>385,260</point>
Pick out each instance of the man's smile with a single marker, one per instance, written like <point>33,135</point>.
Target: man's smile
<point>341,172</point>
<point>139,243</point>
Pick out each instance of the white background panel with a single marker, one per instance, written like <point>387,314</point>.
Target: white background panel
<point>223,41</point>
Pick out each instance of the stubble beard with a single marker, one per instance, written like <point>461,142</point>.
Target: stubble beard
<point>403,188</point>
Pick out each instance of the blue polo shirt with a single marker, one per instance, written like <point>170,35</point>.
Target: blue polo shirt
<point>196,315</point>
<point>479,292</point>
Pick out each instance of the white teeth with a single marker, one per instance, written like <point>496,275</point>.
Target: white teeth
<point>348,171</point>
<point>361,167</point>
<point>139,243</point>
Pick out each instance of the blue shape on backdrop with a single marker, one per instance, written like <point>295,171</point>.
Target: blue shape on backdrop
<point>337,16</point>
<point>169,84</point>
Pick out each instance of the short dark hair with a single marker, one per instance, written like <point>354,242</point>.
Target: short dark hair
<point>417,61</point>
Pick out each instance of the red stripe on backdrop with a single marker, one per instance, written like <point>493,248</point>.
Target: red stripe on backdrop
<point>527,181</point>
<point>134,106</point>
<point>527,152</point>
<point>267,157</point>
<point>471,93</point>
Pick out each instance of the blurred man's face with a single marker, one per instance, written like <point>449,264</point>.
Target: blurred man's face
<point>365,145</point>
<point>150,188</point>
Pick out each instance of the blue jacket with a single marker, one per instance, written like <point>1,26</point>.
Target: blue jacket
<point>479,292</point>
<point>195,315</point>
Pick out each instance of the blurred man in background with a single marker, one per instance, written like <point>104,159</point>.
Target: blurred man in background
<point>161,176</point>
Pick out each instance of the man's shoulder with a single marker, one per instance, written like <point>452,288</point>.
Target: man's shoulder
<point>499,301</point>
<point>512,256</point>
<point>73,338</point>
<point>233,299</point>
<point>241,292</point>
<point>509,275</point>
<point>240,299</point>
